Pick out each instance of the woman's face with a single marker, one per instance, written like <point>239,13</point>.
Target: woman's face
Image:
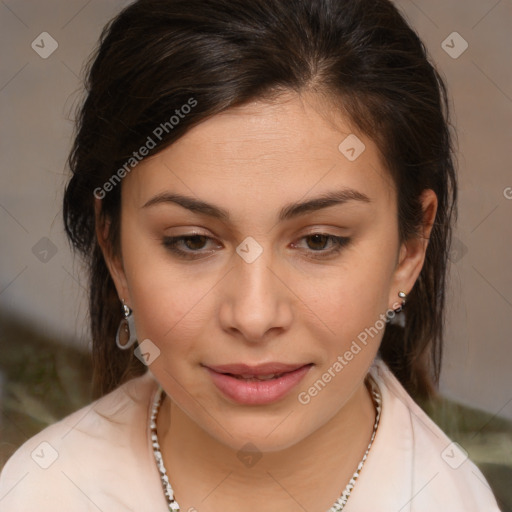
<point>272,274</point>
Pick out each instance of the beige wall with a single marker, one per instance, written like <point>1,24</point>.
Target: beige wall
<point>36,96</point>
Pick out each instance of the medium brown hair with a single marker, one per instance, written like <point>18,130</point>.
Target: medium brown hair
<point>157,54</point>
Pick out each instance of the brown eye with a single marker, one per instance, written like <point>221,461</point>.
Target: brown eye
<point>195,242</point>
<point>319,241</point>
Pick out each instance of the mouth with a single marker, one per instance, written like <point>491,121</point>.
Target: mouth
<point>260,370</point>
<point>255,378</point>
<point>260,384</point>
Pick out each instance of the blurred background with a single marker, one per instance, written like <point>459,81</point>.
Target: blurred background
<point>44,340</point>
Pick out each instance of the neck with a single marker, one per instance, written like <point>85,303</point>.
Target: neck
<point>208,476</point>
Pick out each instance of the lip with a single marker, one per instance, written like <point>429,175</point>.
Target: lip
<point>251,392</point>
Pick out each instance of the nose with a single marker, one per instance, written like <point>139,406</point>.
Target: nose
<point>256,300</point>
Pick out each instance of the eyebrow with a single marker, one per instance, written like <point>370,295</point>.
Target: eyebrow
<point>288,212</point>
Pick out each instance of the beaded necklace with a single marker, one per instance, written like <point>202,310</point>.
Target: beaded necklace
<point>167,488</point>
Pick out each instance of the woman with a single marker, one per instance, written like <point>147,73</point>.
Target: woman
<point>263,191</point>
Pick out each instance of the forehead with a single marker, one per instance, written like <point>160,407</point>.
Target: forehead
<point>274,151</point>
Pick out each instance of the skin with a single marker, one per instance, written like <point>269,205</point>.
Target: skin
<point>285,306</point>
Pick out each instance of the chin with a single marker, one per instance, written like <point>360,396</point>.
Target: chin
<point>263,435</point>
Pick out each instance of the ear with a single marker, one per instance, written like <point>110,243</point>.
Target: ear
<point>114,263</point>
<point>412,252</point>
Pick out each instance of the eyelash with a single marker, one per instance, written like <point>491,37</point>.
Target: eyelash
<point>171,243</point>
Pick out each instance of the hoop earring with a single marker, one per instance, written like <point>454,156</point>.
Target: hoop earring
<point>403,296</point>
<point>126,335</point>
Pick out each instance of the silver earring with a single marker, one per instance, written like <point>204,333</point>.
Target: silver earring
<point>403,296</point>
<point>126,335</point>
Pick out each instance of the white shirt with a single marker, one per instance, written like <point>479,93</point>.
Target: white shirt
<point>100,458</point>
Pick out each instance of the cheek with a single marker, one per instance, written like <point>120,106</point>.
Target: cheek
<point>351,308</point>
<point>167,311</point>
<point>164,300</point>
<point>348,300</point>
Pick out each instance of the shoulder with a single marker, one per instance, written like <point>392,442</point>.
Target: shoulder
<point>64,466</point>
<point>442,477</point>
